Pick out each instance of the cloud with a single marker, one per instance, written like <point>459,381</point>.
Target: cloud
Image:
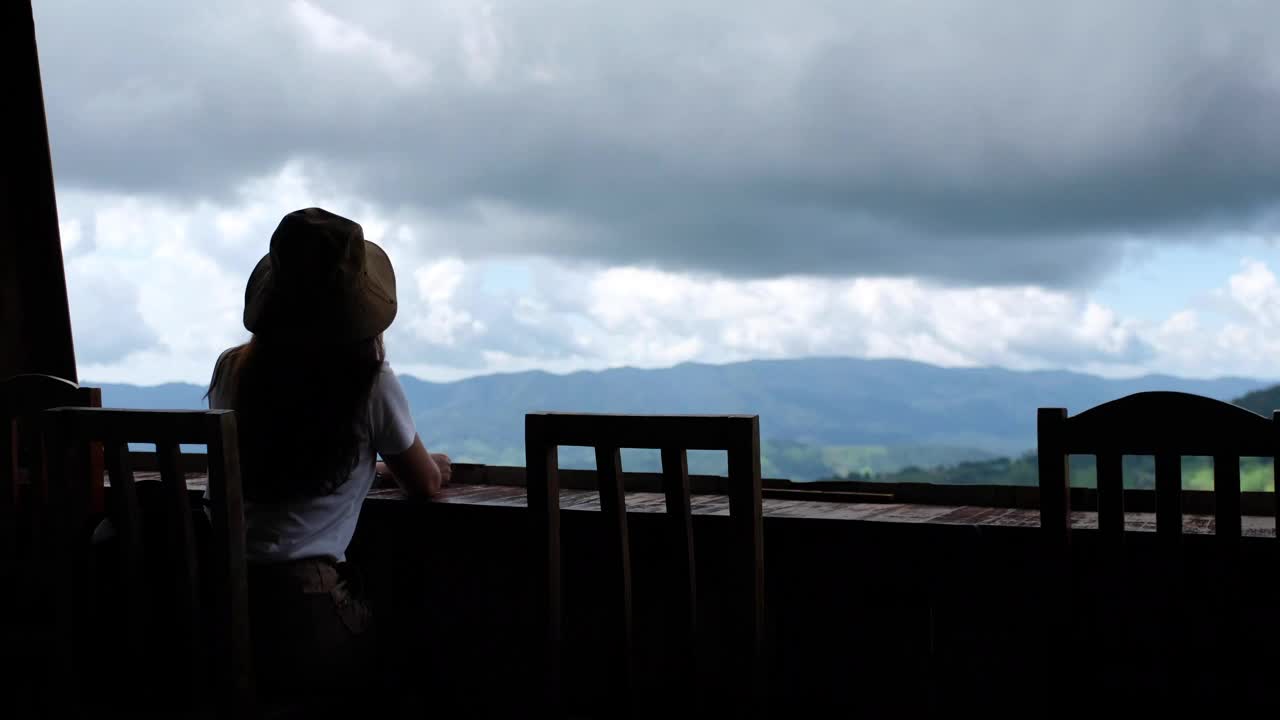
<point>329,34</point>
<point>1254,289</point>
<point>977,142</point>
<point>1237,337</point>
<point>105,318</point>
<point>565,186</point>
<point>671,317</point>
<point>154,300</point>
<point>155,297</point>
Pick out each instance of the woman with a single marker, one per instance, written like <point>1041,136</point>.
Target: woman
<point>315,402</point>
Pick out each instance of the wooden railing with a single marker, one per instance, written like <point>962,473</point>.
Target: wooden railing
<point>1200,502</point>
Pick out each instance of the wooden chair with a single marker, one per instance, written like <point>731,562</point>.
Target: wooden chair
<point>22,517</point>
<point>672,436</point>
<point>1168,426</point>
<point>203,595</point>
<point>22,398</point>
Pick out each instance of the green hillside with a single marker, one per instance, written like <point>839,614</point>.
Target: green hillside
<point>1139,473</point>
<point>1264,401</point>
<point>794,461</point>
<point>819,417</point>
<point>1256,474</point>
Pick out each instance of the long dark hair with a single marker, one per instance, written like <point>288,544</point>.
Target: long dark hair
<point>300,413</point>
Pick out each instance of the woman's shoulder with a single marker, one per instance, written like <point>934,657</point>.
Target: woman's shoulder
<point>226,359</point>
<point>393,427</point>
<point>224,356</point>
<point>386,373</point>
<point>218,382</point>
<point>386,382</point>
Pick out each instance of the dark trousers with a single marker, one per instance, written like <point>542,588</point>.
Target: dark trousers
<point>312,630</point>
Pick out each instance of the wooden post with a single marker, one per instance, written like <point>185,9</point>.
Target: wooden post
<point>1055,478</point>
<point>1275,468</point>
<point>613,505</point>
<point>681,674</point>
<point>232,604</point>
<point>35,322</point>
<point>746,517</point>
<point>1055,530</point>
<point>543,493</point>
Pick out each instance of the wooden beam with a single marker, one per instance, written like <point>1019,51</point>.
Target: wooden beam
<point>115,425</point>
<point>35,321</point>
<point>691,432</point>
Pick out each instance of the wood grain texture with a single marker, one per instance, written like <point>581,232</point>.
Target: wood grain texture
<point>1168,426</point>
<point>227,684</point>
<point>690,432</point>
<point>613,506</point>
<point>1226,490</point>
<point>35,321</point>
<point>1168,494</point>
<point>183,554</point>
<point>126,515</point>
<point>1151,423</point>
<point>235,692</point>
<point>672,435</point>
<point>542,497</point>
<point>682,605</point>
<point>1111,497</point>
<point>139,426</point>
<point>1055,475</point>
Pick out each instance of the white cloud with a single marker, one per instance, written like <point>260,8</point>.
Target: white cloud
<point>1254,290</point>
<point>663,208</point>
<point>435,318</point>
<point>657,317</point>
<point>106,322</point>
<point>973,141</point>
<point>157,290</point>
<point>1237,337</point>
<point>71,235</point>
<point>333,34</point>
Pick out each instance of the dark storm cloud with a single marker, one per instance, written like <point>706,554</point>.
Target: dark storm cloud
<point>971,142</point>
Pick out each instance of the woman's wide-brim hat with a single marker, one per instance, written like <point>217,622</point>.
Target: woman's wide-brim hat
<point>321,283</point>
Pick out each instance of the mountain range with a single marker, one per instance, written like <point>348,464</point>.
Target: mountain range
<point>819,417</point>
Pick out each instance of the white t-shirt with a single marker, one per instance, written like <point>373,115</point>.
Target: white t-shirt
<point>323,526</point>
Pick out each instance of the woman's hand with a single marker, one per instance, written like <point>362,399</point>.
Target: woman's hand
<point>382,471</point>
<point>445,465</point>
<point>419,472</point>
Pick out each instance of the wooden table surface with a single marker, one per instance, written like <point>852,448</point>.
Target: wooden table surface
<point>650,502</point>
<point>647,502</point>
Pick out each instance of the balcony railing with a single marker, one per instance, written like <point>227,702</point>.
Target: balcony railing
<point>915,503</point>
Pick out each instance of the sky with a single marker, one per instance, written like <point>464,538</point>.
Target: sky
<point>565,185</point>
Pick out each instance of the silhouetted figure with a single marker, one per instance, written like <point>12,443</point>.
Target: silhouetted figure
<point>316,402</point>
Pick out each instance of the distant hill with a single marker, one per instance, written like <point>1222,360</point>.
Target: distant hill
<point>1139,471</point>
<point>1264,401</point>
<point>818,416</point>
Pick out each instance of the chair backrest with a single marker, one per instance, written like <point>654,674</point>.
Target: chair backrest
<point>739,436</point>
<point>211,643</point>
<point>22,479</point>
<point>1167,425</point>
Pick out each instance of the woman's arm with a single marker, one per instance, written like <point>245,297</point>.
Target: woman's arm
<point>419,472</point>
